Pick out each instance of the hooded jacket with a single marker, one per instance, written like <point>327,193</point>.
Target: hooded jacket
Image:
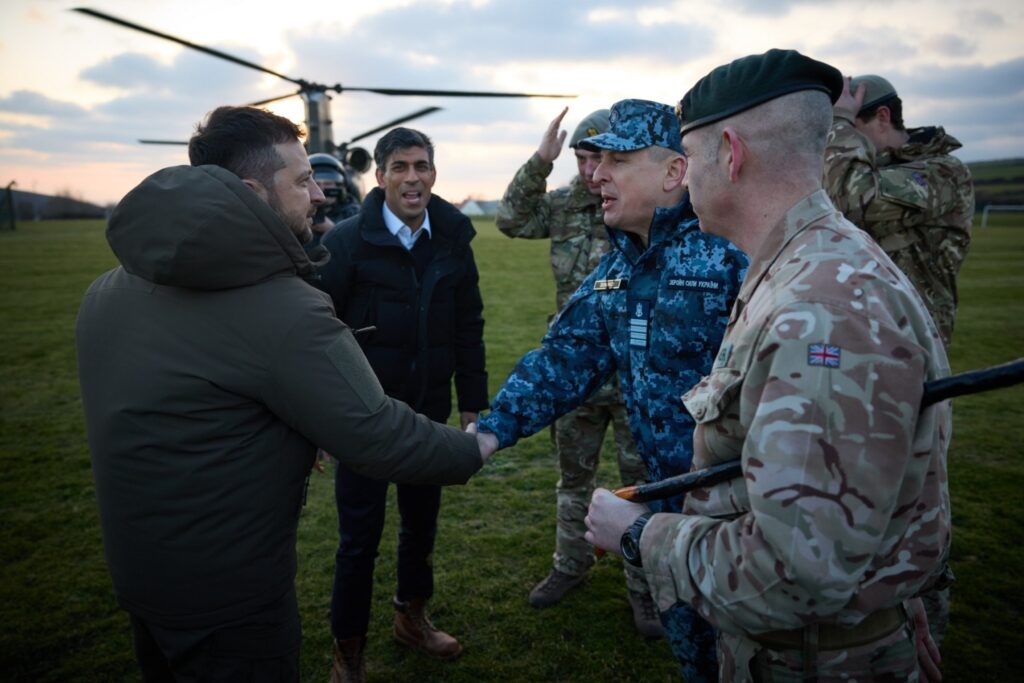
<point>211,370</point>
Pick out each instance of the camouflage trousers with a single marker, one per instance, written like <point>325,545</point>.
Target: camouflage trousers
<point>579,437</point>
<point>890,658</point>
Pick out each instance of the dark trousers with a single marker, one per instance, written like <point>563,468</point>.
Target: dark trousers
<point>361,505</point>
<point>261,648</point>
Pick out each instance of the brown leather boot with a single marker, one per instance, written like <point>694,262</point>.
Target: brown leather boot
<point>414,628</point>
<point>348,661</point>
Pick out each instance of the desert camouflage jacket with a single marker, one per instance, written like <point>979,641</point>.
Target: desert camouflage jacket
<point>571,217</point>
<point>916,201</point>
<point>657,316</point>
<point>843,508</point>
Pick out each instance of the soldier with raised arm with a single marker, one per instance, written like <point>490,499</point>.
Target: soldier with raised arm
<point>904,188</point>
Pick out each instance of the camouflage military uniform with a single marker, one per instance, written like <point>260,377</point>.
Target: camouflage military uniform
<point>916,201</point>
<point>571,218</point>
<point>656,315</point>
<point>843,509</point>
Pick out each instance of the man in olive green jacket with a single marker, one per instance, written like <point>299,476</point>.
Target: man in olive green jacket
<point>211,371</point>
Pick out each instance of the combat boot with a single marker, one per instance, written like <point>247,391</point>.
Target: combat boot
<point>349,666</point>
<point>645,615</point>
<point>553,588</point>
<point>414,628</point>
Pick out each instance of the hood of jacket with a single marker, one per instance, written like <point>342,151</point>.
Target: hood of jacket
<point>930,141</point>
<point>201,227</point>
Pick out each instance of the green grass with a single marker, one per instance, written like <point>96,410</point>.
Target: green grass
<point>60,622</point>
<point>998,182</point>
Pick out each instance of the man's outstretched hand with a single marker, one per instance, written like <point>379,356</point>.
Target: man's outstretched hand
<point>487,442</point>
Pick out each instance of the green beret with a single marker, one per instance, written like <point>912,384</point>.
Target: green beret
<point>747,82</point>
<point>877,90</point>
<point>594,124</point>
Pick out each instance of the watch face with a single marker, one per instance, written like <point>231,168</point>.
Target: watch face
<point>629,548</point>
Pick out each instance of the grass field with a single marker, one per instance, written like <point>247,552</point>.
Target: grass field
<point>60,622</point>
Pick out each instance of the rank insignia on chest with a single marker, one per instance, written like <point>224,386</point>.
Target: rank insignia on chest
<point>639,317</point>
<point>823,355</point>
<point>604,285</point>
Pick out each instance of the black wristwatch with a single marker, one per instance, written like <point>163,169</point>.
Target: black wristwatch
<point>629,544</point>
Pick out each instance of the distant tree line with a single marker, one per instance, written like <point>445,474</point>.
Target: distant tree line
<point>32,206</point>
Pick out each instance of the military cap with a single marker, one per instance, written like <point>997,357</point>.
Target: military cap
<point>638,124</point>
<point>747,82</point>
<point>876,91</point>
<point>594,124</point>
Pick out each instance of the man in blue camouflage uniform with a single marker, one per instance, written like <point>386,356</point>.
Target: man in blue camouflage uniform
<point>570,217</point>
<point>654,310</point>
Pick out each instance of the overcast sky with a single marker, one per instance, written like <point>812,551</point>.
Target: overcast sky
<point>76,93</point>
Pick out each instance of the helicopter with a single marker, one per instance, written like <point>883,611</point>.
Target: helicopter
<point>316,97</point>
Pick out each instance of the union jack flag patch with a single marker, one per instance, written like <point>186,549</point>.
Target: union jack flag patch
<point>824,355</point>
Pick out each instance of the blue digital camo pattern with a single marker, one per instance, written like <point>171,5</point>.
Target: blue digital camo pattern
<point>638,124</point>
<point>657,316</point>
<point>693,643</point>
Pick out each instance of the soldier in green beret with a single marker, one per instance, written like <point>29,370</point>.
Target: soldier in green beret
<point>571,218</point>
<point>809,563</point>
<point>904,187</point>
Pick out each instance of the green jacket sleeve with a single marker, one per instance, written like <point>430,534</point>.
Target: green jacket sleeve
<point>322,385</point>
<point>525,209</point>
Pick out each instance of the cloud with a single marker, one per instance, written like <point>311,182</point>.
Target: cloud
<point>984,18</point>
<point>528,30</point>
<point>37,104</point>
<point>950,45</point>
<point>1005,79</point>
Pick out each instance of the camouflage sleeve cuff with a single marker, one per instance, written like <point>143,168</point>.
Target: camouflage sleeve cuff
<point>502,425</point>
<point>538,168</point>
<point>844,115</point>
<point>664,547</point>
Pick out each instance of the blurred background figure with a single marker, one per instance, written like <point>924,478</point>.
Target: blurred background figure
<point>341,199</point>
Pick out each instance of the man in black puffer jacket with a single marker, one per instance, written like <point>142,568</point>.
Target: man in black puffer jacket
<point>402,274</point>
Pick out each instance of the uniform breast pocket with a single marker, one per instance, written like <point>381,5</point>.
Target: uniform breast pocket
<point>718,438</point>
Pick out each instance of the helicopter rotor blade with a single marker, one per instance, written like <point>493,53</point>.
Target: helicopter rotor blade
<point>392,124</point>
<point>447,93</point>
<point>273,99</point>
<point>163,142</point>
<point>181,41</point>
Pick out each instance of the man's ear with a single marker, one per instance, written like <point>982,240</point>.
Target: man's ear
<point>735,152</point>
<point>380,177</point>
<point>675,173</point>
<point>257,187</point>
<point>884,116</point>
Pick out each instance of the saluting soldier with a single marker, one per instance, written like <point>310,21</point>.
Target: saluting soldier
<point>904,188</point>
<point>572,219</point>
<point>807,562</point>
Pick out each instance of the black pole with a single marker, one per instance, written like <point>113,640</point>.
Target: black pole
<point>963,384</point>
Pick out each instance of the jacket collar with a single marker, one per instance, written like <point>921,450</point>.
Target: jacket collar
<point>668,223</point>
<point>450,229</point>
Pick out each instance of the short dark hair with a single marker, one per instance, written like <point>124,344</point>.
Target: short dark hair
<point>398,139</point>
<point>241,140</point>
<point>895,106</point>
